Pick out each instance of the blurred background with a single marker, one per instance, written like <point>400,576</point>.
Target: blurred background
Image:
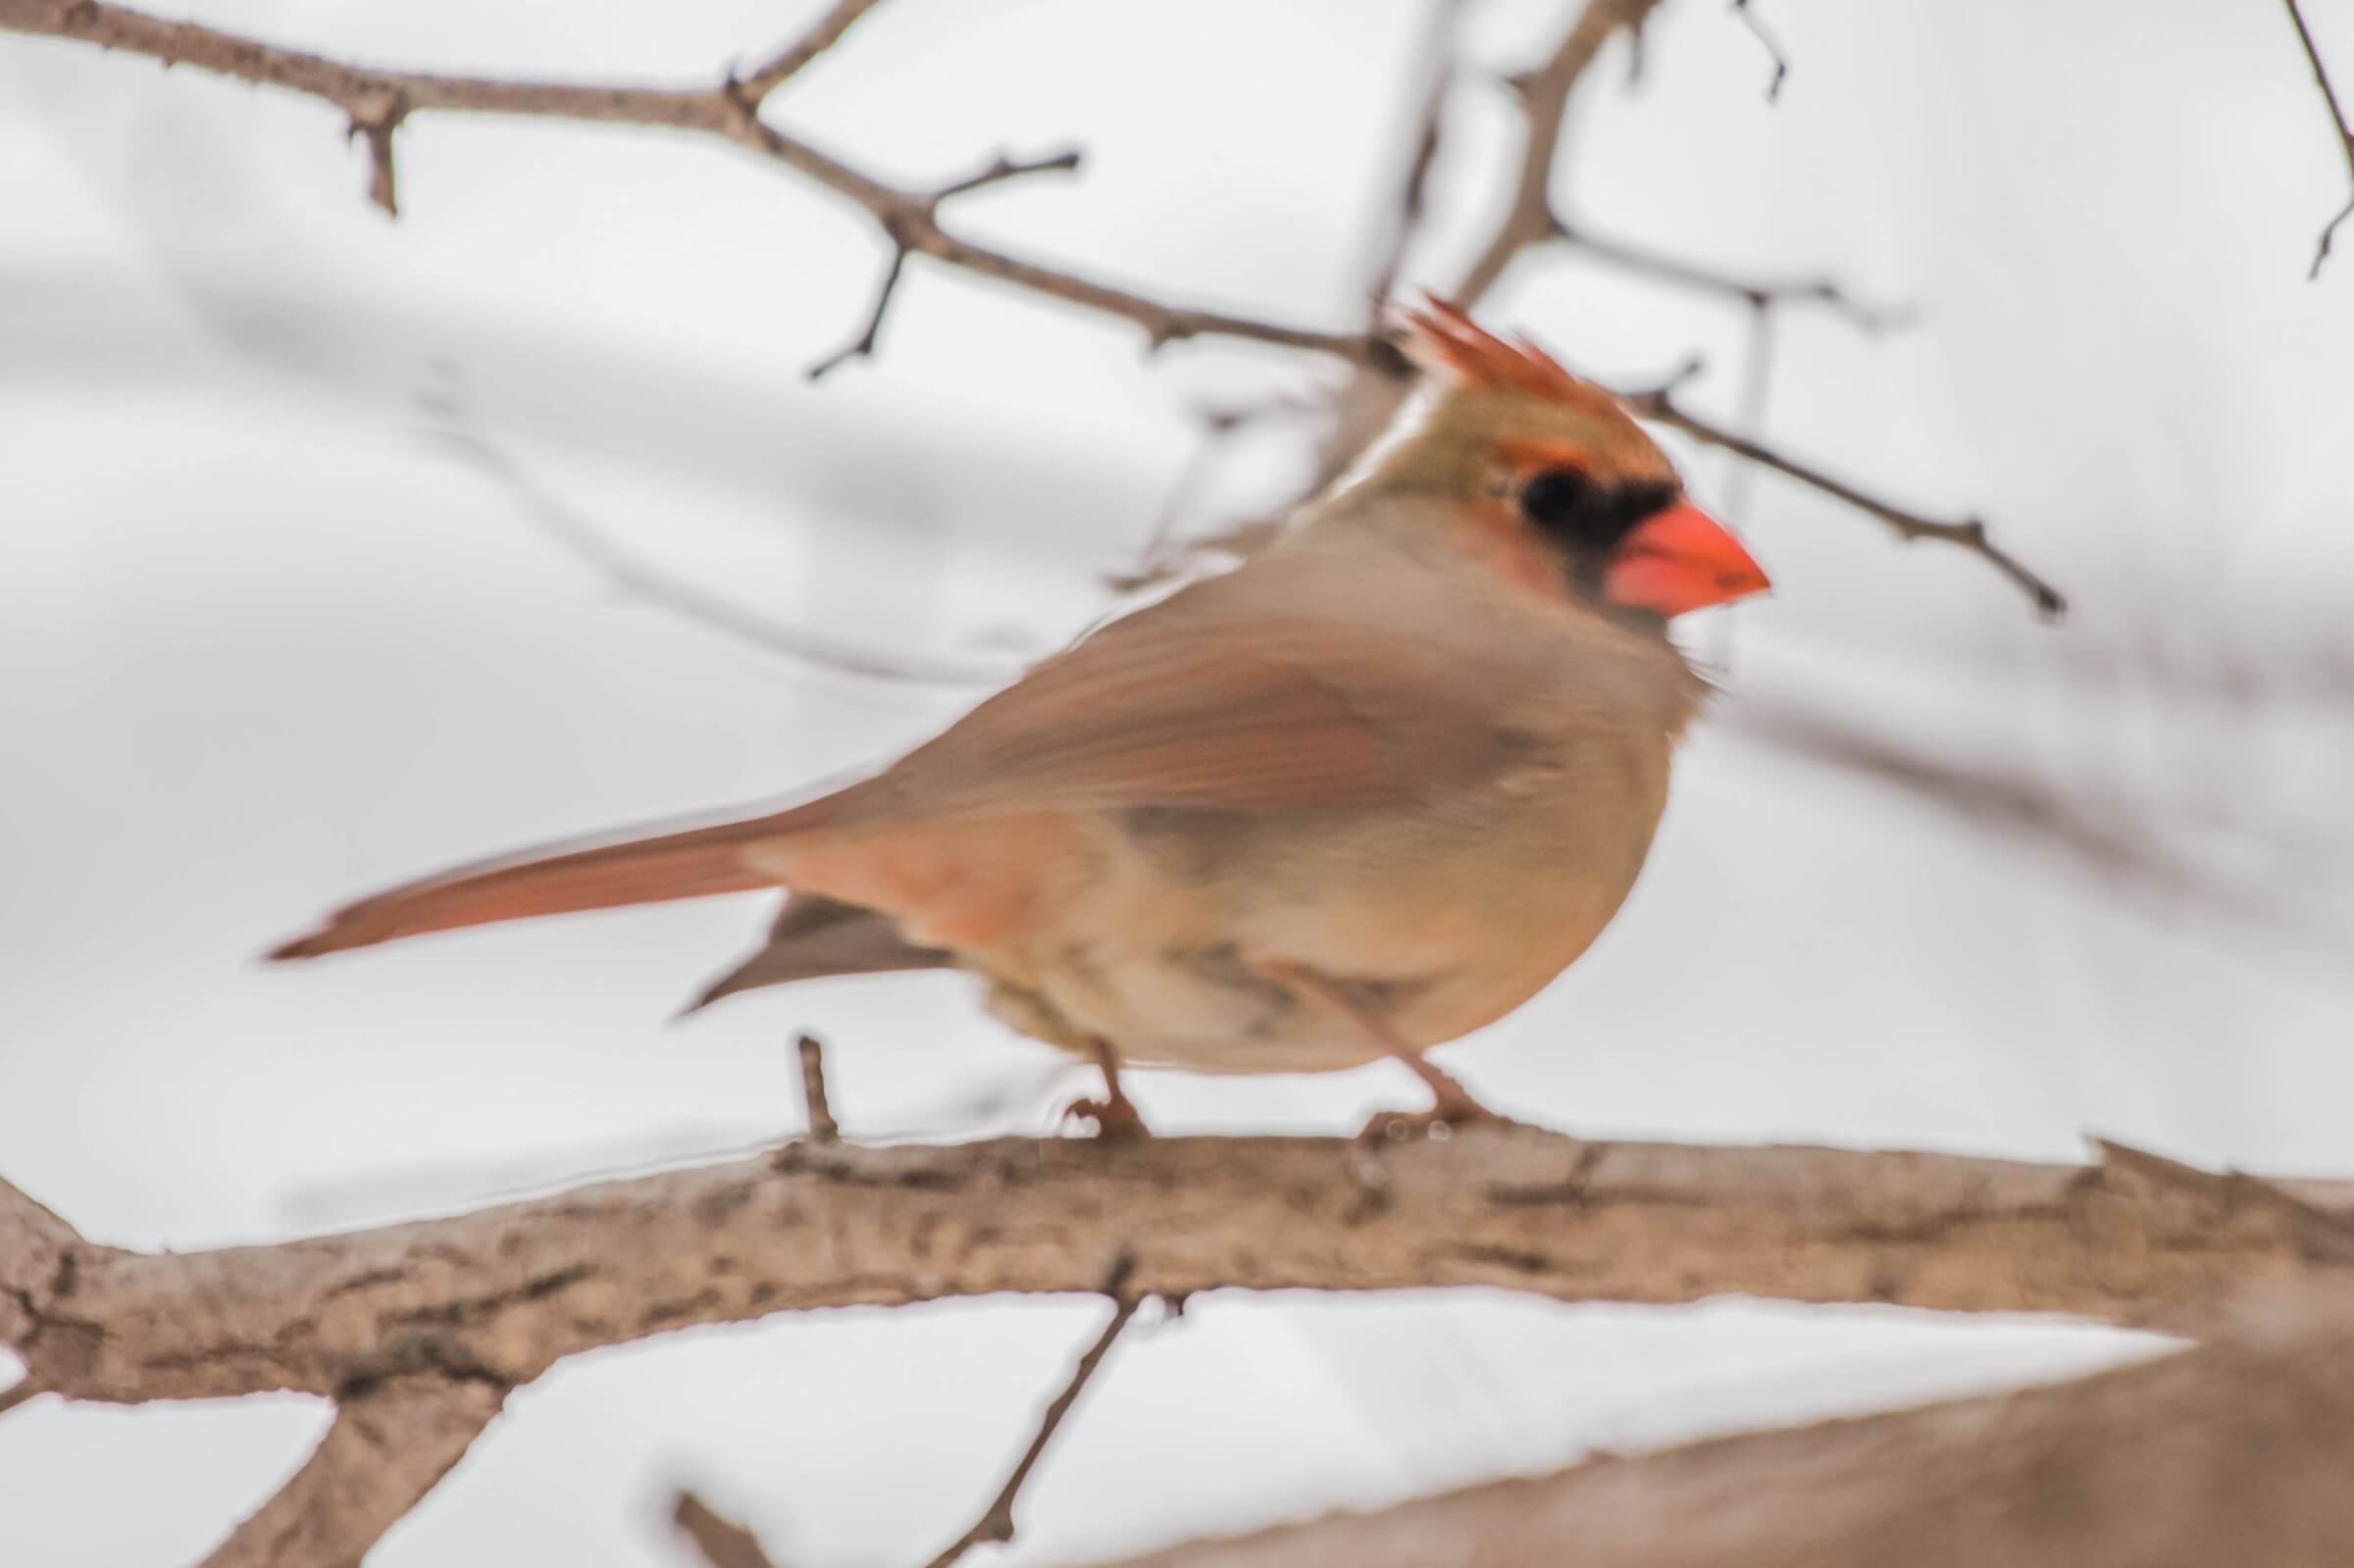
<point>335,549</point>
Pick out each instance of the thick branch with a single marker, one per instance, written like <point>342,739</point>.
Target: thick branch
<point>498,1296</point>
<point>386,1448</point>
<point>2234,1452</point>
<point>2337,121</point>
<point>730,111</point>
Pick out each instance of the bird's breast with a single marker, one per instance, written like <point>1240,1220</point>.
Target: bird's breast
<point>1442,915</point>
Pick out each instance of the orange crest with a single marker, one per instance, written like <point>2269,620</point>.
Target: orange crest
<point>1441,337</point>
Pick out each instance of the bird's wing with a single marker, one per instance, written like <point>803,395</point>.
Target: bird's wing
<point>1205,704</point>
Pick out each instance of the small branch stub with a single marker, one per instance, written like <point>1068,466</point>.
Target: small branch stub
<point>823,1129</point>
<point>375,117</point>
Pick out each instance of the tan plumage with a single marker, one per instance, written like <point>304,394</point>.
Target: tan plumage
<point>1365,793</point>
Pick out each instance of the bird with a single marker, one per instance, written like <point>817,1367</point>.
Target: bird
<point>1361,794</point>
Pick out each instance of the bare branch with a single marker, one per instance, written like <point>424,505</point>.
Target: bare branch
<point>788,62</point>
<point>728,111</point>
<point>628,575</point>
<point>2235,1451</point>
<point>1773,51</point>
<point>908,218</point>
<point>823,1129</point>
<point>996,1523</point>
<point>1002,169</point>
<point>389,1444</point>
<point>1756,292</point>
<point>1971,534</point>
<point>498,1296</point>
<point>1544,99</point>
<point>2337,121</point>
<point>723,1543</point>
<point>862,347</point>
<point>1437,53</point>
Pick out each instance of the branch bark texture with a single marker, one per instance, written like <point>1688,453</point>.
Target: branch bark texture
<point>497,1296</point>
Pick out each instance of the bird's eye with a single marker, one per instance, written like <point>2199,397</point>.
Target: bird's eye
<point>1562,502</point>
<point>1569,506</point>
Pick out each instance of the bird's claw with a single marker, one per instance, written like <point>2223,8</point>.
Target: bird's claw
<point>1398,1127</point>
<point>1115,1117</point>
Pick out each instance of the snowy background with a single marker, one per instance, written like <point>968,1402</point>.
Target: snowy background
<point>270,638</point>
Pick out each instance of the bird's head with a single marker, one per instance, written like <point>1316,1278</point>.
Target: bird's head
<point>1553,481</point>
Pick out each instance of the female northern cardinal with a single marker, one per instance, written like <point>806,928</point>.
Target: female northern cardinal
<point>1361,795</point>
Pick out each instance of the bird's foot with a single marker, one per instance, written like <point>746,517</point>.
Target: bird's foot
<point>1453,1107</point>
<point>1115,1115</point>
<point>1439,1121</point>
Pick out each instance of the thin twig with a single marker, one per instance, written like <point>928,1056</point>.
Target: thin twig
<point>823,1129</point>
<point>629,576</point>
<point>1773,51</point>
<point>1755,291</point>
<point>822,34</point>
<point>1437,53</point>
<point>728,111</point>
<point>1002,169</point>
<point>2338,119</point>
<point>1545,100</point>
<point>863,345</point>
<point>1971,534</point>
<point>18,1392</point>
<point>731,111</point>
<point>996,1523</point>
<point>723,1542</point>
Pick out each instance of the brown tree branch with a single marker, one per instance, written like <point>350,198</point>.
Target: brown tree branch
<point>1544,95</point>
<point>2337,121</point>
<point>388,1446</point>
<point>723,1543</point>
<point>498,1296</point>
<point>730,111</point>
<point>376,103</point>
<point>1969,533</point>
<point>419,1330</point>
<point>790,60</point>
<point>1002,169</point>
<point>815,1103</point>
<point>996,1523</point>
<point>2235,1451</point>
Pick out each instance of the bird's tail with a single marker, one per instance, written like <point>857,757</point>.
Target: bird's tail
<point>692,863</point>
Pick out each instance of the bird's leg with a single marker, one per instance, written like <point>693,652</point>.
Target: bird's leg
<point>1450,1104</point>
<point>1115,1115</point>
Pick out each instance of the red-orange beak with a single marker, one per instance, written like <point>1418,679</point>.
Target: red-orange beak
<point>1679,561</point>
